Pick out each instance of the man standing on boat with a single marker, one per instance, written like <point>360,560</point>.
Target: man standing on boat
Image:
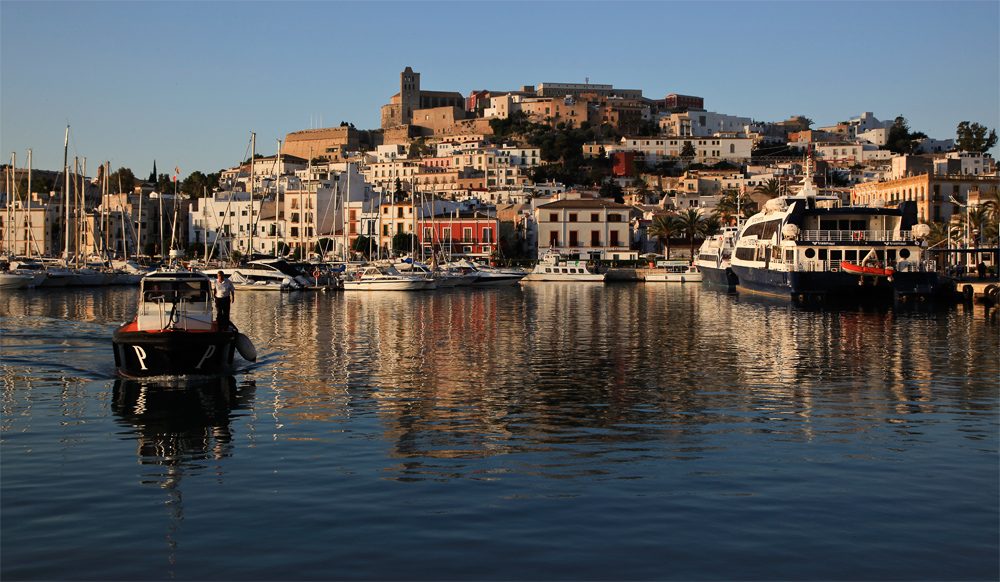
<point>225,295</point>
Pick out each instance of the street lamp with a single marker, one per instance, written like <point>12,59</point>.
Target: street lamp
<point>966,229</point>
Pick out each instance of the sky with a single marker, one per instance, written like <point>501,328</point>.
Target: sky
<point>185,84</point>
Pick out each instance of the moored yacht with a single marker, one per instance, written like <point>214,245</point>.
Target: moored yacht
<point>552,267</point>
<point>384,277</point>
<point>797,247</point>
<point>673,272</point>
<point>264,275</point>
<point>715,258</point>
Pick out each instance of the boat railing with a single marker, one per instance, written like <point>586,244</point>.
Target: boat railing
<point>817,265</point>
<point>855,235</point>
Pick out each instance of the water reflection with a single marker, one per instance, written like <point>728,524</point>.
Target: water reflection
<point>179,422</point>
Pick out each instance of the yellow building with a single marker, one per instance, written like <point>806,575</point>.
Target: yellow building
<point>933,193</point>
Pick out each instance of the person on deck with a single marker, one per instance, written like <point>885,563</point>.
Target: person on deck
<point>225,295</point>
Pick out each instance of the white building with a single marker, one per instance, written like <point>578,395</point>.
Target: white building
<point>587,229</point>
<point>707,150</point>
<point>702,123</point>
<point>301,214</point>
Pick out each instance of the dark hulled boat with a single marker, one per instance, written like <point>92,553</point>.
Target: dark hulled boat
<point>174,333</point>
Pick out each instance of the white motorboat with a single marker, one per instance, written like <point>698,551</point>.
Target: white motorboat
<point>490,275</point>
<point>552,267</point>
<point>13,281</point>
<point>53,274</point>
<point>443,278</point>
<point>34,271</point>
<point>715,258</point>
<point>384,277</point>
<point>264,275</point>
<point>673,272</point>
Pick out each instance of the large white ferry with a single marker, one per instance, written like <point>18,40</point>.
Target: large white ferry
<point>797,247</point>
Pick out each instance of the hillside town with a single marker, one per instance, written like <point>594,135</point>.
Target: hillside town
<point>596,172</point>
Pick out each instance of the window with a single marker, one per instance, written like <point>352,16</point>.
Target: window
<point>595,238</point>
<point>553,239</point>
<point>572,217</point>
<point>553,217</point>
<point>573,241</point>
<point>595,217</point>
<point>467,233</point>
<point>613,238</point>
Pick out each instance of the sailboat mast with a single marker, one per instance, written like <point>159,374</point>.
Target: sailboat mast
<point>253,154</point>
<point>66,172</point>
<point>8,225</point>
<point>81,214</point>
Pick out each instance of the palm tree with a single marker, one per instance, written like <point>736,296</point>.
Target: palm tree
<point>732,203</point>
<point>710,226</point>
<point>641,189</point>
<point>941,233</point>
<point>691,224</point>
<point>771,188</point>
<point>662,229</point>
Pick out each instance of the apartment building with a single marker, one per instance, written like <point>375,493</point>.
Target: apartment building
<point>30,228</point>
<point>701,123</point>
<point>708,150</point>
<point>938,196</point>
<point>588,229</point>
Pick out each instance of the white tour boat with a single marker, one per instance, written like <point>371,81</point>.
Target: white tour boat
<point>673,272</point>
<point>552,267</point>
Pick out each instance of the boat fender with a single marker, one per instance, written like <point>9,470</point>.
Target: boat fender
<point>968,292</point>
<point>992,293</point>
<point>246,348</point>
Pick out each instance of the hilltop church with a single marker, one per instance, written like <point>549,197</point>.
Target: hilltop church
<point>404,106</point>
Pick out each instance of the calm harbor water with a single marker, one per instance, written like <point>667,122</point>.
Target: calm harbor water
<point>545,432</point>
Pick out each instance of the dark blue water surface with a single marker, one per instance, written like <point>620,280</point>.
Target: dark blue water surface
<point>543,432</point>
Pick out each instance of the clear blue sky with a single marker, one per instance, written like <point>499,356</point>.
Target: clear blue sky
<point>185,83</point>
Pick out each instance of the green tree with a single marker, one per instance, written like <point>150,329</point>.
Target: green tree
<point>900,139</point>
<point>323,246</point>
<point>198,184</point>
<point>771,188</point>
<point>165,184</point>
<point>404,242</point>
<point>122,181</point>
<point>691,223</point>
<point>688,153</point>
<point>733,204</point>
<point>611,189</point>
<point>194,250</point>
<point>398,195</point>
<point>974,138</point>
<point>663,229</point>
<point>361,244</point>
<point>710,226</point>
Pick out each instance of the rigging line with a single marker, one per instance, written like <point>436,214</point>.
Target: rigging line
<point>218,224</point>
